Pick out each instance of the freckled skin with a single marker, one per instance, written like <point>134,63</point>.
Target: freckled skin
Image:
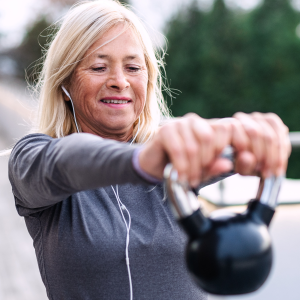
<point>115,69</point>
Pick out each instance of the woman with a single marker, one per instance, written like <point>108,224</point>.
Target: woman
<point>92,202</point>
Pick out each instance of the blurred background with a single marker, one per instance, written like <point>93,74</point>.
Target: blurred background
<point>223,56</point>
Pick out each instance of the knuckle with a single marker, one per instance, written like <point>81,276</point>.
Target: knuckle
<point>280,161</point>
<point>195,173</point>
<point>278,144</point>
<point>225,129</point>
<point>207,136</point>
<point>164,129</point>
<point>253,132</point>
<point>167,130</point>
<point>272,116</point>
<point>286,129</point>
<point>236,124</point>
<point>269,138</point>
<point>222,127</point>
<point>191,118</point>
<point>192,149</point>
<point>257,115</point>
<point>274,120</point>
<point>176,151</point>
<point>191,115</point>
<point>239,114</point>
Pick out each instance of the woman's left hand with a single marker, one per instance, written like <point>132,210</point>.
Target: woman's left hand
<point>261,143</point>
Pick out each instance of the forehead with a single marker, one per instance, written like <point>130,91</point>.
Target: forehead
<point>119,41</point>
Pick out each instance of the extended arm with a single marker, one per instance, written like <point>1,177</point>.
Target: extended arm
<point>44,171</point>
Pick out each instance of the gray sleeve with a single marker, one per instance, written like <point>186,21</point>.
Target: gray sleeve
<point>44,171</point>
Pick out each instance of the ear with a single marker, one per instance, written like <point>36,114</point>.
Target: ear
<point>66,98</point>
<point>64,92</point>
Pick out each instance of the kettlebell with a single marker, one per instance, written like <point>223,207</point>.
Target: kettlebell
<point>227,253</point>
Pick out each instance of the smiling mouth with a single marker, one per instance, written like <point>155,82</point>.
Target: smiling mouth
<point>116,101</point>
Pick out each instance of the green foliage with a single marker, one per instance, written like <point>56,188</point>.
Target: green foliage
<point>224,61</point>
<point>28,54</point>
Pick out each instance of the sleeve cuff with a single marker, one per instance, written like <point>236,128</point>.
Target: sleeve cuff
<point>138,169</point>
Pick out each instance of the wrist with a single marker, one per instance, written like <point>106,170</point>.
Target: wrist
<point>137,166</point>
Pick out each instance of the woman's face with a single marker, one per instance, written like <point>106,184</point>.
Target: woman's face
<point>109,86</point>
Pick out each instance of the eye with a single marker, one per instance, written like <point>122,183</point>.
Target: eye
<point>99,69</point>
<point>133,69</point>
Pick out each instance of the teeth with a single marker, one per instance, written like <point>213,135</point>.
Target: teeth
<point>115,101</point>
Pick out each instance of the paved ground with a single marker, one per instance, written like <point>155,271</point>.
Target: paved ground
<point>283,282</point>
<point>19,275</point>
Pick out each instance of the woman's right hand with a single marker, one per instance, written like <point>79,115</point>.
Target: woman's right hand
<point>192,144</point>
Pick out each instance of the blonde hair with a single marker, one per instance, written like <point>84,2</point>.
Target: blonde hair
<point>80,29</point>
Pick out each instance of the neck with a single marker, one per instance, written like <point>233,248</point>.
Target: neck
<point>119,136</point>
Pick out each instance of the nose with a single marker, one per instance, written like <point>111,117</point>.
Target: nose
<point>117,80</point>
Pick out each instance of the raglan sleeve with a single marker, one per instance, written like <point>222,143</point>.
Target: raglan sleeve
<point>44,170</point>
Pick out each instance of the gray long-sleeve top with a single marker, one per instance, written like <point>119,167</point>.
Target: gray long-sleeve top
<point>62,188</point>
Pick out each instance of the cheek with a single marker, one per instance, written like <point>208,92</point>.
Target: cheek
<point>81,88</point>
<point>77,87</point>
<point>141,90</point>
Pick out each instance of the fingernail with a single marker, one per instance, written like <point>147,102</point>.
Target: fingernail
<point>280,172</point>
<point>258,168</point>
<point>267,174</point>
<point>182,178</point>
<point>195,183</point>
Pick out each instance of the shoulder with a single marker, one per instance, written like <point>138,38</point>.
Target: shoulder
<point>34,138</point>
<point>28,142</point>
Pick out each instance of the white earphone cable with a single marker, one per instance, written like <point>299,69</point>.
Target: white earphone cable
<point>128,225</point>
<point>122,207</point>
<point>66,92</point>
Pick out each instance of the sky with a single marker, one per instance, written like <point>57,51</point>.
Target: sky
<point>16,14</point>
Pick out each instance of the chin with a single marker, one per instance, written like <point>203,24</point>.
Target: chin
<point>119,126</point>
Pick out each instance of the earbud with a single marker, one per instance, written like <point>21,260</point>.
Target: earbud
<point>67,93</point>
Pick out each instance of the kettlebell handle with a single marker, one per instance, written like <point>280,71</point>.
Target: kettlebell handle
<point>185,203</point>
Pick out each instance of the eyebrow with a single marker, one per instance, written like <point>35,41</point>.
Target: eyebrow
<point>106,56</point>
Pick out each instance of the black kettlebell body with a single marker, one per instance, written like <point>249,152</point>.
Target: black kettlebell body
<point>227,254</point>
<point>230,254</point>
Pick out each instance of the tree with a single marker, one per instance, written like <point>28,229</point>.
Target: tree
<point>31,48</point>
<point>275,61</point>
<point>224,61</point>
<point>275,66</point>
<point>207,64</point>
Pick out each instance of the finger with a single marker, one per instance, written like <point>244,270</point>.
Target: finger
<point>173,145</point>
<point>192,149</point>
<point>239,138</point>
<point>219,166</point>
<point>204,134</point>
<point>245,163</point>
<point>222,134</point>
<point>271,146</point>
<point>284,142</point>
<point>255,136</point>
